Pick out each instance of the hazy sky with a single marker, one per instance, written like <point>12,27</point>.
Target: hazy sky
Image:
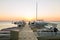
<point>26,9</point>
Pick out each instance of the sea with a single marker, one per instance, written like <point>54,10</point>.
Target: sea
<point>4,25</point>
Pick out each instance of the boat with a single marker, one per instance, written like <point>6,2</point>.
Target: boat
<point>38,24</point>
<point>43,31</point>
<point>20,23</point>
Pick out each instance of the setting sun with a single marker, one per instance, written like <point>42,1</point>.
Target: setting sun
<point>28,16</point>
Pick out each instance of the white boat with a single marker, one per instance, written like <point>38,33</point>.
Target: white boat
<point>20,23</point>
<point>44,32</point>
<point>38,24</point>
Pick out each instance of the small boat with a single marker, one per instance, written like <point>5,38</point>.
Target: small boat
<point>20,23</point>
<point>37,24</point>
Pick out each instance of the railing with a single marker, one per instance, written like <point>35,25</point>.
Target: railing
<point>4,36</point>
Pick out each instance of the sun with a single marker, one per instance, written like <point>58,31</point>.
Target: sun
<point>28,17</point>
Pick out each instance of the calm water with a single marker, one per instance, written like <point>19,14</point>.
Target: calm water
<point>9,24</point>
<point>6,25</point>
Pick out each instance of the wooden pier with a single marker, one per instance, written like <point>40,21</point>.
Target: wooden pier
<point>26,33</point>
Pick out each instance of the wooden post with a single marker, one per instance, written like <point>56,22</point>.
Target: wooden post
<point>14,35</point>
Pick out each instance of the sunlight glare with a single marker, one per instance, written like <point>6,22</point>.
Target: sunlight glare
<point>28,16</point>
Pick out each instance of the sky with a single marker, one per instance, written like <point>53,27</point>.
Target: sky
<point>48,10</point>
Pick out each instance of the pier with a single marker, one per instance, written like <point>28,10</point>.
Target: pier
<point>26,33</point>
<point>23,33</point>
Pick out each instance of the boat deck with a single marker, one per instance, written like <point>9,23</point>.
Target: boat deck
<point>47,35</point>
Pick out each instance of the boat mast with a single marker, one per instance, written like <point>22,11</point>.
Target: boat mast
<point>36,9</point>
